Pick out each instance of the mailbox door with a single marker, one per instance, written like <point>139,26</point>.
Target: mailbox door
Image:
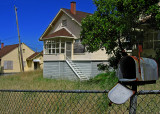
<point>128,67</point>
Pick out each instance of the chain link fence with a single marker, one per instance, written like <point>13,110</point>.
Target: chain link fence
<point>75,101</point>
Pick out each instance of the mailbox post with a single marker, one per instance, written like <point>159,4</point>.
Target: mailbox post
<point>133,101</point>
<point>133,71</point>
<point>136,71</point>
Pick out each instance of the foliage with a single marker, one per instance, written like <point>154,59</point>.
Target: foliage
<point>116,20</point>
<point>105,80</point>
<point>157,57</point>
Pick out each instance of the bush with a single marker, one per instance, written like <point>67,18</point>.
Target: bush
<point>105,80</point>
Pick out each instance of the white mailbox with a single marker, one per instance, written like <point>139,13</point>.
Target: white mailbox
<point>129,69</point>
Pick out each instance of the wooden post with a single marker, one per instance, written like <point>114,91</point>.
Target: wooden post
<point>133,101</point>
<point>21,56</point>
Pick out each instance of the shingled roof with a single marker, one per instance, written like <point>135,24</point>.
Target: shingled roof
<point>78,16</point>
<point>34,55</point>
<point>59,33</point>
<point>5,50</point>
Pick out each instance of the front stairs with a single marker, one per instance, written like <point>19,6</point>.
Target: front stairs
<point>76,70</point>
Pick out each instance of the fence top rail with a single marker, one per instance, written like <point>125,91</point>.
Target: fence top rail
<point>58,91</point>
<point>141,92</point>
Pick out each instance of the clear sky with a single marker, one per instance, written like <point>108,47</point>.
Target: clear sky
<point>34,16</point>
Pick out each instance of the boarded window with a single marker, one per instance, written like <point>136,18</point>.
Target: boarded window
<point>8,65</point>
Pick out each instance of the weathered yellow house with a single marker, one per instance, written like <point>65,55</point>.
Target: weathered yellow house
<point>35,61</point>
<point>10,60</point>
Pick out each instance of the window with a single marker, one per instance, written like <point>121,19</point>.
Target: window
<point>54,47</point>
<point>64,23</point>
<point>62,47</point>
<point>23,50</point>
<point>77,41</point>
<point>8,65</point>
<point>78,47</point>
<point>24,63</point>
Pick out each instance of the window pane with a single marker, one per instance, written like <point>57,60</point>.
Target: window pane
<point>49,45</point>
<point>53,51</point>
<point>62,50</point>
<point>57,50</point>
<point>62,45</point>
<point>64,22</point>
<point>53,45</point>
<point>57,45</point>
<point>49,51</point>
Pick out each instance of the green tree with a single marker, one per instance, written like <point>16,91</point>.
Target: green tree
<point>116,20</point>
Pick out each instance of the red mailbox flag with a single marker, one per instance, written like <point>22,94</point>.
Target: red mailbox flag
<point>140,48</point>
<point>139,56</point>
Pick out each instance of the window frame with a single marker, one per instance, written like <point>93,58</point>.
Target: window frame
<point>8,65</point>
<point>64,22</point>
<point>55,47</point>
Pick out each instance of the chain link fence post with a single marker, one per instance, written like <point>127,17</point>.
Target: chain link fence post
<point>133,101</point>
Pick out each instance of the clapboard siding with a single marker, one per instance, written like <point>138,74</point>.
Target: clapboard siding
<point>51,69</point>
<point>95,70</point>
<point>85,67</point>
<point>58,70</point>
<point>61,70</point>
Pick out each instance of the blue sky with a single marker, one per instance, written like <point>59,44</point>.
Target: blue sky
<point>34,16</point>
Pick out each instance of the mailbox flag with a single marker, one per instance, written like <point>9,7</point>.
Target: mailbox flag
<point>140,48</point>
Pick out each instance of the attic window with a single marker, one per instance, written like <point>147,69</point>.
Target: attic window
<point>64,23</point>
<point>23,50</point>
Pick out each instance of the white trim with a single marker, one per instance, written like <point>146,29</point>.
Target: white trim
<point>50,24</point>
<point>58,37</point>
<point>36,60</point>
<point>55,19</point>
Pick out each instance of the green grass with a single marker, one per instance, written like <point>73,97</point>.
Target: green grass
<point>67,102</point>
<point>34,81</point>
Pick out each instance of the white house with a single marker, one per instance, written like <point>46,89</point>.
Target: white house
<point>63,54</point>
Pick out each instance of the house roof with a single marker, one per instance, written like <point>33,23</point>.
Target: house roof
<point>35,55</point>
<point>62,32</point>
<point>7,49</point>
<point>77,18</point>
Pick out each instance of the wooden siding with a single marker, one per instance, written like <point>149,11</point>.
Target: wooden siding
<point>61,70</point>
<point>58,70</point>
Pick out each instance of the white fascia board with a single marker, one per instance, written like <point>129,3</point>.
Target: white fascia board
<point>58,37</point>
<point>50,24</point>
